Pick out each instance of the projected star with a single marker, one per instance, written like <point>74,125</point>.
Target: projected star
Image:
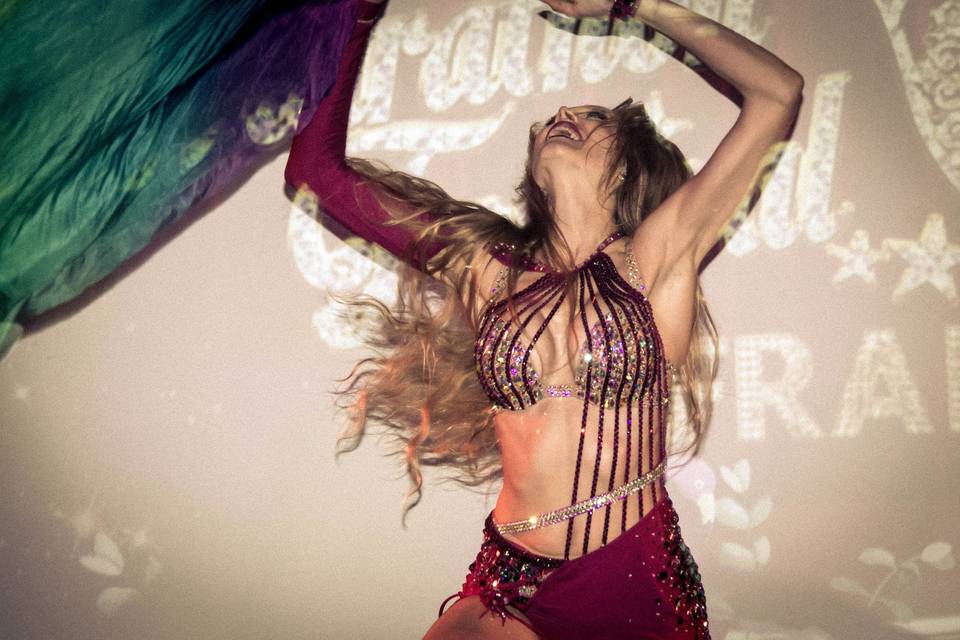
<point>857,258</point>
<point>929,259</point>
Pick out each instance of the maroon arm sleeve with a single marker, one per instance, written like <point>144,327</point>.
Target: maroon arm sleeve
<point>317,154</point>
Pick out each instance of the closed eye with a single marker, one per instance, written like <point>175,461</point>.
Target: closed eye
<point>593,114</point>
<point>602,115</point>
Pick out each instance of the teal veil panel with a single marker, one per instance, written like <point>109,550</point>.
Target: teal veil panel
<point>118,117</point>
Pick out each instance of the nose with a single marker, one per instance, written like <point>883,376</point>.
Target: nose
<point>564,113</point>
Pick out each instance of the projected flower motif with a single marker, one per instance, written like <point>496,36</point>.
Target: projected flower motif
<point>106,558</point>
<point>900,576</point>
<point>732,513</point>
<point>266,126</point>
<point>929,259</point>
<point>857,258</point>
<point>933,82</point>
<point>696,480</point>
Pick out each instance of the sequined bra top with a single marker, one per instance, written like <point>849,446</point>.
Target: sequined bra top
<point>611,365</point>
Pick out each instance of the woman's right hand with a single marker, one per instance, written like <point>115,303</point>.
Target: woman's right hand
<point>581,8</point>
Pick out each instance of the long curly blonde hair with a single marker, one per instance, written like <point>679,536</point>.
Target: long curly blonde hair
<point>420,384</point>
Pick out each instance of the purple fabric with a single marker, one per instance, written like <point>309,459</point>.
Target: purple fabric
<point>642,584</point>
<point>317,158</point>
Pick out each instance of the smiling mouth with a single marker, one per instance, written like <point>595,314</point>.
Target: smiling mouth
<point>563,130</point>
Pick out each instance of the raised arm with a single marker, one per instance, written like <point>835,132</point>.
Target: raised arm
<point>695,214</point>
<point>317,154</point>
<point>687,224</point>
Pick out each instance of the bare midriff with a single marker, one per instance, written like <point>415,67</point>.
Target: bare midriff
<point>539,449</point>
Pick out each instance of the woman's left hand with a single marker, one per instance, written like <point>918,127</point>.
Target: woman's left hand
<point>581,8</point>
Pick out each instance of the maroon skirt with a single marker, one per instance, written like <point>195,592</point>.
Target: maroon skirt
<point>642,584</point>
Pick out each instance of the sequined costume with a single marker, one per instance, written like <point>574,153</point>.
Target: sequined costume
<point>625,572</point>
<point>642,582</point>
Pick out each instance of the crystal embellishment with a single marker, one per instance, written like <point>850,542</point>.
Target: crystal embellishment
<point>584,506</point>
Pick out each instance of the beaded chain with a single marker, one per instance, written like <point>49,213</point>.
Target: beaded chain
<point>584,506</point>
<point>633,271</point>
<point>633,277</point>
<point>500,282</point>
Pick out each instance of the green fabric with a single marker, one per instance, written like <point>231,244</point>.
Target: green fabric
<point>118,117</point>
<point>99,135</point>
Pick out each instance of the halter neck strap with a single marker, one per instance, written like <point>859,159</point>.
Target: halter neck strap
<point>503,252</point>
<point>616,235</point>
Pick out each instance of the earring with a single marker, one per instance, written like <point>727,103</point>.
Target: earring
<point>622,174</point>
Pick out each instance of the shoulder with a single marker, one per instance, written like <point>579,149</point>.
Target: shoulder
<point>474,274</point>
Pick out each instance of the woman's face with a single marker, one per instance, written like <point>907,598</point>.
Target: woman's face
<point>574,142</point>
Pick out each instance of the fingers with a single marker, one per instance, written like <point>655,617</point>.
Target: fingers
<point>581,8</point>
<point>566,7</point>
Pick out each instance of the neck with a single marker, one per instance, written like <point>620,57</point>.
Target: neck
<point>582,221</point>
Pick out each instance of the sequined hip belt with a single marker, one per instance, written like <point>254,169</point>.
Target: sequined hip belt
<point>584,506</point>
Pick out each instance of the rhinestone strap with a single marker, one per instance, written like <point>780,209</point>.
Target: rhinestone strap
<point>500,282</point>
<point>633,272</point>
<point>561,390</point>
<point>584,506</point>
<point>633,276</point>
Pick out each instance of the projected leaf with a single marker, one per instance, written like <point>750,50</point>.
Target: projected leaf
<point>106,558</point>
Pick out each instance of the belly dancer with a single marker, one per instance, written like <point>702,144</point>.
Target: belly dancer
<point>544,354</point>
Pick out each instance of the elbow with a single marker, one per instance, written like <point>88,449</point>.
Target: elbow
<point>785,89</point>
<point>791,88</point>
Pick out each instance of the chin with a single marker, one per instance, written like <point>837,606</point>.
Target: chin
<point>557,162</point>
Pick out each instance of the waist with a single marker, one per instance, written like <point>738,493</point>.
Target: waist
<point>541,451</point>
<point>582,507</point>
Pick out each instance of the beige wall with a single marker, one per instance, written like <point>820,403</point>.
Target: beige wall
<point>167,451</point>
